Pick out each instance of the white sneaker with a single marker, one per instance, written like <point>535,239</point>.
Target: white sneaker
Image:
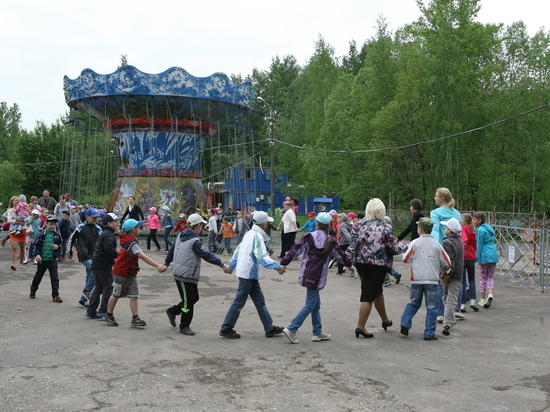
<point>463,308</point>
<point>440,319</point>
<point>459,316</point>
<point>291,336</point>
<point>473,305</point>
<point>321,336</point>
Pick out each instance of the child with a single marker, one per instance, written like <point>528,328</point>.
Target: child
<point>468,287</point>
<point>181,225</point>
<point>227,231</point>
<point>125,271</point>
<point>309,226</point>
<point>429,260</point>
<point>186,254</point>
<point>344,239</point>
<point>452,244</point>
<point>167,225</point>
<point>64,229</point>
<point>45,249</point>
<point>248,259</point>
<point>22,210</point>
<point>154,226</point>
<point>103,259</point>
<point>35,224</point>
<point>213,245</point>
<point>317,247</point>
<point>487,258</point>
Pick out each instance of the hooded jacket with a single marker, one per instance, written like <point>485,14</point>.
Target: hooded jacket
<point>186,255</point>
<point>314,267</point>
<point>486,250</point>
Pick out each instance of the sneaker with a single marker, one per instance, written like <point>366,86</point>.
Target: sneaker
<point>463,308</point>
<point>488,301</point>
<point>474,306</point>
<point>321,336</point>
<point>83,304</point>
<point>229,334</point>
<point>440,319</point>
<point>138,323</point>
<point>89,315</point>
<point>221,251</point>
<point>86,294</point>
<point>331,263</point>
<point>276,330</point>
<point>481,302</point>
<point>57,299</point>
<point>32,295</point>
<point>446,330</point>
<point>404,330</point>
<point>187,331</point>
<point>100,315</point>
<point>387,284</point>
<point>431,338</point>
<point>291,336</point>
<point>459,316</point>
<point>397,278</point>
<point>110,320</point>
<point>171,317</point>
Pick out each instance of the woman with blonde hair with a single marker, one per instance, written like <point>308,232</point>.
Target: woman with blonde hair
<point>17,241</point>
<point>446,210</point>
<point>371,249</point>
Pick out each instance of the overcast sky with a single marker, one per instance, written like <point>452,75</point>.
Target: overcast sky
<point>41,41</point>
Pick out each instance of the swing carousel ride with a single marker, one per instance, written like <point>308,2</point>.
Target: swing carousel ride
<point>160,123</point>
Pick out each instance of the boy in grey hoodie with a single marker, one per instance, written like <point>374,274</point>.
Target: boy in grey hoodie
<point>429,260</point>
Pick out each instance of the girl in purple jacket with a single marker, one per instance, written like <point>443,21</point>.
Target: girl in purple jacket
<point>317,248</point>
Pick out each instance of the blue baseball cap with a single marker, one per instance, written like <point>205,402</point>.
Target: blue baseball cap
<point>92,212</point>
<point>324,218</point>
<point>129,225</point>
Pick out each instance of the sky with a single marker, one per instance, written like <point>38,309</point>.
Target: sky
<point>42,41</point>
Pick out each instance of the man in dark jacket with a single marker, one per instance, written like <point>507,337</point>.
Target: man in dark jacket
<point>84,239</point>
<point>103,260</point>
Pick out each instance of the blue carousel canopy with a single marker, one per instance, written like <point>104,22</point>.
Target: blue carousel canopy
<point>131,93</point>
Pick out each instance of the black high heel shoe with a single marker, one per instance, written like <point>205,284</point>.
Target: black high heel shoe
<point>363,334</point>
<point>386,325</point>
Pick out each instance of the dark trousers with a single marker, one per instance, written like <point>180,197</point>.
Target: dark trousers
<point>340,265</point>
<point>51,266</point>
<point>102,291</point>
<point>189,293</point>
<point>152,235</point>
<point>287,241</point>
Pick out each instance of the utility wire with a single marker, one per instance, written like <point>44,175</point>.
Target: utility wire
<point>417,143</point>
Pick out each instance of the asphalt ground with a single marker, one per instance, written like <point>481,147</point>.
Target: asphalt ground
<point>54,359</point>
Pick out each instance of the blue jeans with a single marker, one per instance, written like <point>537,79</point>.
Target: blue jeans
<point>167,241</point>
<point>227,242</point>
<point>440,304</point>
<point>248,287</point>
<point>90,279</point>
<point>417,291</point>
<point>312,306</point>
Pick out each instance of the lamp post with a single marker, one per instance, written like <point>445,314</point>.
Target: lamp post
<point>270,124</point>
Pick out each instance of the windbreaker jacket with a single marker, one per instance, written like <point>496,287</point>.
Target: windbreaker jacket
<point>428,259</point>
<point>84,239</point>
<point>486,249</point>
<point>186,255</point>
<point>105,251</point>
<point>454,248</point>
<point>38,246</point>
<point>314,267</point>
<point>251,255</point>
<point>469,240</point>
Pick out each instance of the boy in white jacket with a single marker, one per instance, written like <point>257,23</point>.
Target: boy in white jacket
<point>429,261</point>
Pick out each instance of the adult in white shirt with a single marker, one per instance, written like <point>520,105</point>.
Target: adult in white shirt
<point>290,227</point>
